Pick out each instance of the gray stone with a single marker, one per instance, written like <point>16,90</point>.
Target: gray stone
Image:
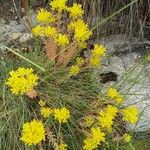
<point>25,37</point>
<point>139,95</point>
<point>14,36</point>
<point>14,31</point>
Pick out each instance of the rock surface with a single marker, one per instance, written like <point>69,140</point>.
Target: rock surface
<point>14,31</point>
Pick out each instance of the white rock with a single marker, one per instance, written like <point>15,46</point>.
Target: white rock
<point>25,37</point>
<point>14,36</point>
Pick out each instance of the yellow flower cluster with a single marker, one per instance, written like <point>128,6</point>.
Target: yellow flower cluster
<point>89,120</point>
<point>58,5</point>
<point>95,62</point>
<point>75,11</point>
<point>115,95</point>
<point>96,55</point>
<point>38,30</point>
<point>127,138</point>
<point>92,142</point>
<point>42,103</point>
<point>75,69</point>
<point>50,31</point>
<point>44,16</point>
<point>105,121</point>
<point>47,31</point>
<point>81,31</point>
<point>98,51</point>
<point>62,146</point>
<point>62,115</point>
<point>33,132</point>
<point>46,111</point>
<point>22,80</point>
<point>107,116</point>
<point>130,114</point>
<point>62,39</point>
<point>80,61</point>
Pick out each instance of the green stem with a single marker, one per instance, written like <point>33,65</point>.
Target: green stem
<point>117,148</point>
<point>131,146</point>
<point>59,134</point>
<point>22,57</point>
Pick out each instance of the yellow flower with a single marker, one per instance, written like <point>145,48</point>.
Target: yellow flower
<point>62,115</point>
<point>42,103</point>
<point>96,55</point>
<point>127,138</point>
<point>46,112</point>
<point>115,95</point>
<point>112,93</point>
<point>77,24</point>
<point>119,99</point>
<point>62,39</point>
<point>89,120</point>
<point>50,31</point>
<point>95,62</point>
<point>81,35</point>
<point>81,30</point>
<point>76,10</point>
<point>33,132</point>
<point>130,114</point>
<point>22,80</point>
<point>44,16</point>
<point>107,116</point>
<point>98,51</point>
<point>58,5</point>
<point>94,140</point>
<point>62,146</point>
<point>80,61</point>
<point>38,30</point>
<point>82,45</point>
<point>74,70</point>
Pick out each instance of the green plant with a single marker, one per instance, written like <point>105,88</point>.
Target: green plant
<point>78,92</point>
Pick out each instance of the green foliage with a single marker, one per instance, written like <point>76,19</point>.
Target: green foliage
<point>15,110</point>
